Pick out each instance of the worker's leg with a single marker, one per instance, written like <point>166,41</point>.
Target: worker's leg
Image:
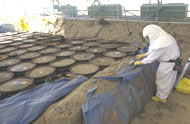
<point>165,79</point>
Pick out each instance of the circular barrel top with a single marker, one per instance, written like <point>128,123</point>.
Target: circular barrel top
<point>29,55</point>
<point>2,57</point>
<point>16,44</point>
<point>17,52</point>
<point>92,44</point>
<point>109,46</point>
<point>24,66</point>
<point>5,76</point>
<point>44,59</point>
<point>8,49</point>
<point>96,50</point>
<point>78,48</point>
<point>103,61</point>
<point>84,69</point>
<point>16,85</point>
<point>127,48</point>
<point>6,42</point>
<point>62,63</point>
<point>36,48</point>
<point>40,72</point>
<point>65,53</point>
<point>9,62</point>
<point>29,40</point>
<point>115,54</point>
<point>2,46</point>
<point>49,50</point>
<point>66,45</point>
<point>83,56</point>
<point>26,46</point>
<point>77,42</point>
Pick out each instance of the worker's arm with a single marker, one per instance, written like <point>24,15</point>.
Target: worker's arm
<point>153,55</point>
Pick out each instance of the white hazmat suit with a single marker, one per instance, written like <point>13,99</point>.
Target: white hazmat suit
<point>163,48</point>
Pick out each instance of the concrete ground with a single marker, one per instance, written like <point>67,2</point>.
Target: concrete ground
<point>176,111</point>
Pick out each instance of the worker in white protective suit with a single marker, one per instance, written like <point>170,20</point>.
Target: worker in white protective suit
<point>163,48</point>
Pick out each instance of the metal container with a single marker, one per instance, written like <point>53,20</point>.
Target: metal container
<point>65,45</point>
<point>78,42</point>
<point>5,76</point>
<point>115,54</point>
<point>39,74</point>
<point>29,40</point>
<point>127,48</point>
<point>78,48</point>
<point>17,52</point>
<point>18,39</point>
<point>2,46</point>
<point>29,56</point>
<point>61,76</point>
<point>92,44</point>
<point>62,65</point>
<point>96,50</point>
<point>6,50</point>
<point>44,59</point>
<point>86,69</point>
<point>51,44</point>
<point>26,46</point>
<point>21,68</point>
<point>8,62</point>
<point>83,56</point>
<point>110,46</point>
<point>36,48</point>
<point>15,85</point>
<point>63,54</point>
<point>103,61</point>
<point>49,50</point>
<point>40,42</point>
<point>3,57</point>
<point>16,44</point>
<point>6,42</point>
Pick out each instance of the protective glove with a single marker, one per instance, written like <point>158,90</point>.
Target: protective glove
<point>138,63</point>
<point>140,56</point>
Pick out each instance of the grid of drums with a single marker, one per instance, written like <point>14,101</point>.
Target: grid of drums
<point>29,59</point>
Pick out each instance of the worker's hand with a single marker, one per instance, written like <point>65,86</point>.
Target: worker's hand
<point>140,56</point>
<point>138,63</point>
<point>131,62</point>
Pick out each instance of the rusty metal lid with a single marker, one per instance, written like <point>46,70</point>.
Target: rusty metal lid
<point>36,48</point>
<point>83,56</point>
<point>115,54</point>
<point>65,53</point>
<point>78,42</point>
<point>127,48</point>
<point>29,40</point>
<point>39,42</point>
<point>16,84</point>
<point>65,45</point>
<point>16,44</point>
<point>5,76</point>
<point>96,50</point>
<point>24,66</point>
<point>92,44</point>
<point>9,62</point>
<point>105,41</point>
<point>78,48</point>
<point>49,50</point>
<point>44,59</point>
<point>109,46</point>
<point>17,52</point>
<point>103,61</point>
<point>26,45</point>
<point>2,46</point>
<point>29,55</point>
<point>84,69</point>
<point>8,49</point>
<point>6,42</point>
<point>2,57</point>
<point>62,63</point>
<point>40,72</point>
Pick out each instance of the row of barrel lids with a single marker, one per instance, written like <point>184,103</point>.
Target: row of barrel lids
<point>28,59</point>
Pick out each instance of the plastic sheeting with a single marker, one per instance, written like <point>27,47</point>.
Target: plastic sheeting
<point>27,106</point>
<point>119,106</point>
